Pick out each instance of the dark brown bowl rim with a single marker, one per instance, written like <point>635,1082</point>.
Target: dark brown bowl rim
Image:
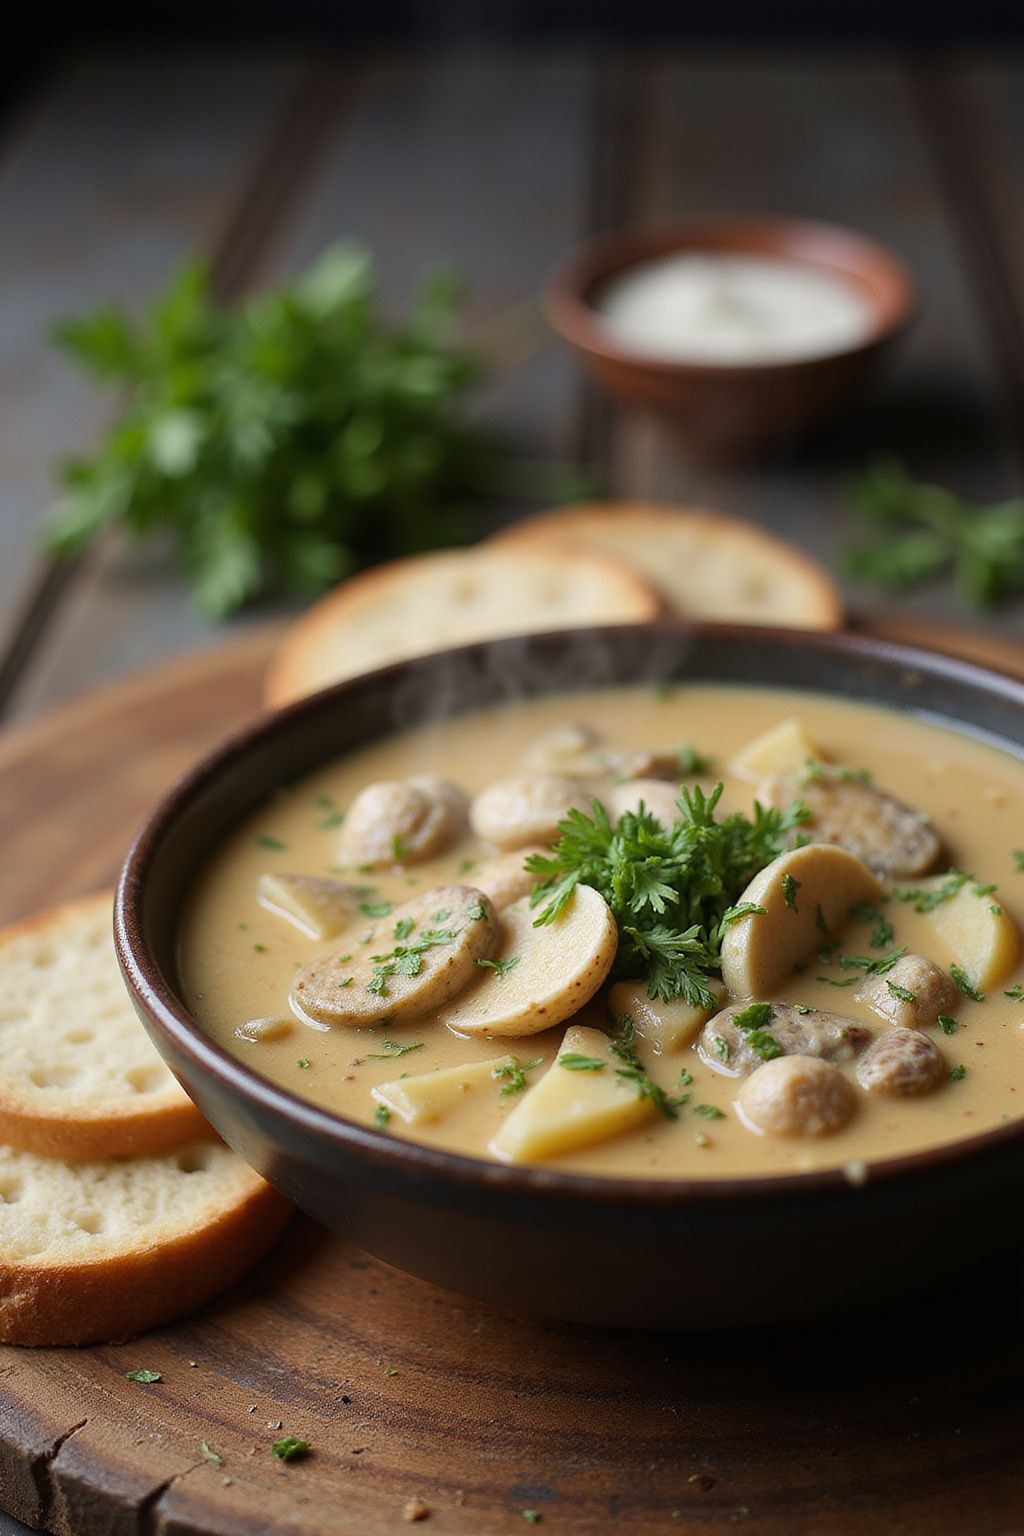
<point>169,1017</point>
<point>564,292</point>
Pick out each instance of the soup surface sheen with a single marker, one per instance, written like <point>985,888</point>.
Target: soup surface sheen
<point>238,959</point>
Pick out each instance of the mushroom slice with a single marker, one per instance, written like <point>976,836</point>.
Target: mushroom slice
<point>975,930</point>
<point>504,878</point>
<point>320,907</point>
<point>255,1031</point>
<point>889,837</point>
<point>739,1039</point>
<point>569,750</point>
<point>796,1096</point>
<point>424,1099</point>
<point>657,798</point>
<point>901,1061</point>
<point>786,748</point>
<point>804,893</point>
<point>402,820</point>
<point>539,977</point>
<point>525,809</point>
<point>913,993</point>
<point>657,763</point>
<point>580,1099</point>
<point>666,1027</point>
<point>414,962</point>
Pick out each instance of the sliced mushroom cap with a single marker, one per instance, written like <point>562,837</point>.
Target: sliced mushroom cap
<point>401,821</point>
<point>901,1061</point>
<point>796,1096</point>
<point>255,1031</point>
<point>525,808</point>
<point>889,837</point>
<point>912,993</point>
<point>504,878</point>
<point>777,1029</point>
<point>804,894</point>
<point>319,906</point>
<point>666,1027</point>
<point>656,797</point>
<point>658,763</point>
<point>570,751</point>
<point>540,976</point>
<point>976,930</point>
<point>417,959</point>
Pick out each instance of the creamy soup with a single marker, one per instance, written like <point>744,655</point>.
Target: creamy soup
<point>853,992</point>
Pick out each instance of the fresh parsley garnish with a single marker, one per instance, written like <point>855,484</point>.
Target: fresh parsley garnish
<point>402,928</point>
<point>146,1378</point>
<point>946,1023</point>
<point>1015,993</point>
<point>965,984</point>
<point>901,994</point>
<point>876,965</point>
<point>499,967</point>
<point>575,1061</point>
<point>709,1111</point>
<point>516,1074</point>
<point>381,1115</point>
<point>790,886</point>
<point>475,912</point>
<point>815,771</point>
<point>957,1073</point>
<point>693,763</point>
<point>754,1016</point>
<point>273,843</point>
<point>1018,858</point>
<point>392,1050</point>
<point>404,959</point>
<point>290,1449</point>
<point>882,930</point>
<point>671,889</point>
<point>632,1070</point>
<point>210,1455</point>
<point>375,908</point>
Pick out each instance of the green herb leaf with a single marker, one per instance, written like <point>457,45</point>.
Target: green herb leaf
<point>965,984</point>
<point>790,886</point>
<point>754,1016</point>
<point>574,1061</point>
<point>375,908</point>
<point>1015,993</point>
<point>382,1116</point>
<point>147,1378</point>
<point>516,1074</point>
<point>290,1449</point>
<point>709,1111</point>
<point>209,1455</point>
<point>273,843</point>
<point>392,1050</point>
<point>500,967</point>
<point>946,1023</point>
<point>957,1073</point>
<point>693,763</point>
<point>901,994</point>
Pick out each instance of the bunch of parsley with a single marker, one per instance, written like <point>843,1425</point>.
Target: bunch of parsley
<point>282,443</point>
<point>673,890</point>
<point>917,533</point>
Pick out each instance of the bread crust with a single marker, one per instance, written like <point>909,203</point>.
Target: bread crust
<point>644,522</point>
<point>169,1274</point>
<point>292,667</point>
<point>139,1126</point>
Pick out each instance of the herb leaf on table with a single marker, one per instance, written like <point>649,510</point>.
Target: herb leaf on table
<point>916,533</point>
<point>673,890</point>
<point>281,443</point>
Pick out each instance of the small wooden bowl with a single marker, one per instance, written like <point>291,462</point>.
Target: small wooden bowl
<point>727,409</point>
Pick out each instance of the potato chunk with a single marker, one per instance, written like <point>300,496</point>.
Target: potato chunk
<point>427,1098</point>
<point>570,1108</point>
<point>419,957</point>
<point>540,976</point>
<point>786,748</point>
<point>778,1029</point>
<point>901,1062</point>
<point>318,906</point>
<point>525,809</point>
<point>796,1096</point>
<point>889,837</point>
<point>504,878</point>
<point>976,932</point>
<point>656,796</point>
<point>804,893</point>
<point>402,820</point>
<point>666,1027</point>
<point>913,993</point>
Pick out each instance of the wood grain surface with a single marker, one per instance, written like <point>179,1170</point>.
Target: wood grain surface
<point>906,1420</point>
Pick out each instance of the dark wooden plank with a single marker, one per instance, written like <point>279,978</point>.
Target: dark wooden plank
<point>841,142</point>
<point>125,167</point>
<point>478,163</point>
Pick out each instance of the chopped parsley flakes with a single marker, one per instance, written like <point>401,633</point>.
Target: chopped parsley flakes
<point>516,1074</point>
<point>144,1377</point>
<point>290,1449</point>
<point>790,886</point>
<point>500,968</point>
<point>965,984</point>
<point>575,1061</point>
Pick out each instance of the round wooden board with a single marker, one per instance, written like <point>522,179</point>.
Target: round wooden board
<point>903,1420</point>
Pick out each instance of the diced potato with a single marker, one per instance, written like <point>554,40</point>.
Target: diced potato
<point>568,1109</point>
<point>540,976</point>
<point>666,1027</point>
<point>320,907</point>
<point>976,932</point>
<point>428,1097</point>
<point>783,749</point>
<point>805,893</point>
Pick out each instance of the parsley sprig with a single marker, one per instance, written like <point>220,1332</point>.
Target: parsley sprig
<point>673,891</point>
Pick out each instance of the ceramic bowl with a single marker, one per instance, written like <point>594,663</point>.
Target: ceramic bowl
<point>732,409</point>
<point>533,1239</point>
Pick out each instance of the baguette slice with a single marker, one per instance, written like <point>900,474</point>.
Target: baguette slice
<point>102,1250</point>
<point>428,602</point>
<point>78,1075</point>
<point>704,565</point>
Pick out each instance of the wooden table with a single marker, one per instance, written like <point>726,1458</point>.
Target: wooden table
<point>120,166</point>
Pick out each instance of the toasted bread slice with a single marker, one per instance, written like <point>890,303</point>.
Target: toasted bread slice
<point>704,565</point>
<point>428,602</point>
<point>102,1250</point>
<point>78,1075</point>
